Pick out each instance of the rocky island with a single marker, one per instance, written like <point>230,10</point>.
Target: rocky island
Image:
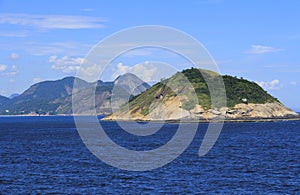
<point>171,99</point>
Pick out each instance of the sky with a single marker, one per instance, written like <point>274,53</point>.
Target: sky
<point>254,39</point>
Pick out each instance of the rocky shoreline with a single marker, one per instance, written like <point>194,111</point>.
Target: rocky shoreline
<point>250,120</point>
<point>184,120</point>
<point>240,112</point>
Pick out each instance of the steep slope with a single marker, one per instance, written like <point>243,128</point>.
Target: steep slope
<point>175,98</point>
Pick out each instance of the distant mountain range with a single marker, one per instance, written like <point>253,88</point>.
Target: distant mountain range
<point>55,97</point>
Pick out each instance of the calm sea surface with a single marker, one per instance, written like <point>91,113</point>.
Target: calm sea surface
<point>46,155</point>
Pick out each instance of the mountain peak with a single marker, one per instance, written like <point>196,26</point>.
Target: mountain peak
<point>131,83</point>
<point>127,75</point>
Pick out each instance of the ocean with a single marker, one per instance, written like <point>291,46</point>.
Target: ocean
<point>46,155</point>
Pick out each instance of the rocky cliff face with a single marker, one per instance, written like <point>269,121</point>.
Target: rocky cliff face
<point>245,111</point>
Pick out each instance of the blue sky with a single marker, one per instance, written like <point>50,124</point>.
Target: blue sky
<point>47,40</point>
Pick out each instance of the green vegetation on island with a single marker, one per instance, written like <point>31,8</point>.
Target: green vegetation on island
<point>238,90</point>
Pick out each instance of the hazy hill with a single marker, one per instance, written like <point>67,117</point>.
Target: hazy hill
<point>43,97</point>
<point>55,97</point>
<point>3,100</point>
<point>121,89</point>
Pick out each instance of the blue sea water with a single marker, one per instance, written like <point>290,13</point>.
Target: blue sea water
<point>46,155</point>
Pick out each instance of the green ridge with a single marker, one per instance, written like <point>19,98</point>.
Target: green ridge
<point>237,90</point>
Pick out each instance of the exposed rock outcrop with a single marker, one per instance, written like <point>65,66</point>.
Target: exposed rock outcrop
<point>249,111</point>
<point>172,111</point>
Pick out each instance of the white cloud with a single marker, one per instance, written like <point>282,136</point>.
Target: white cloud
<point>121,69</point>
<point>66,64</point>
<point>11,71</point>
<point>52,21</point>
<point>14,34</point>
<point>293,83</point>
<point>62,48</point>
<point>90,71</point>
<point>69,48</point>
<point>3,67</point>
<point>143,71</point>
<point>14,56</point>
<point>83,68</point>
<point>14,68</point>
<point>6,71</point>
<point>272,85</point>
<point>260,49</point>
<point>147,71</point>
